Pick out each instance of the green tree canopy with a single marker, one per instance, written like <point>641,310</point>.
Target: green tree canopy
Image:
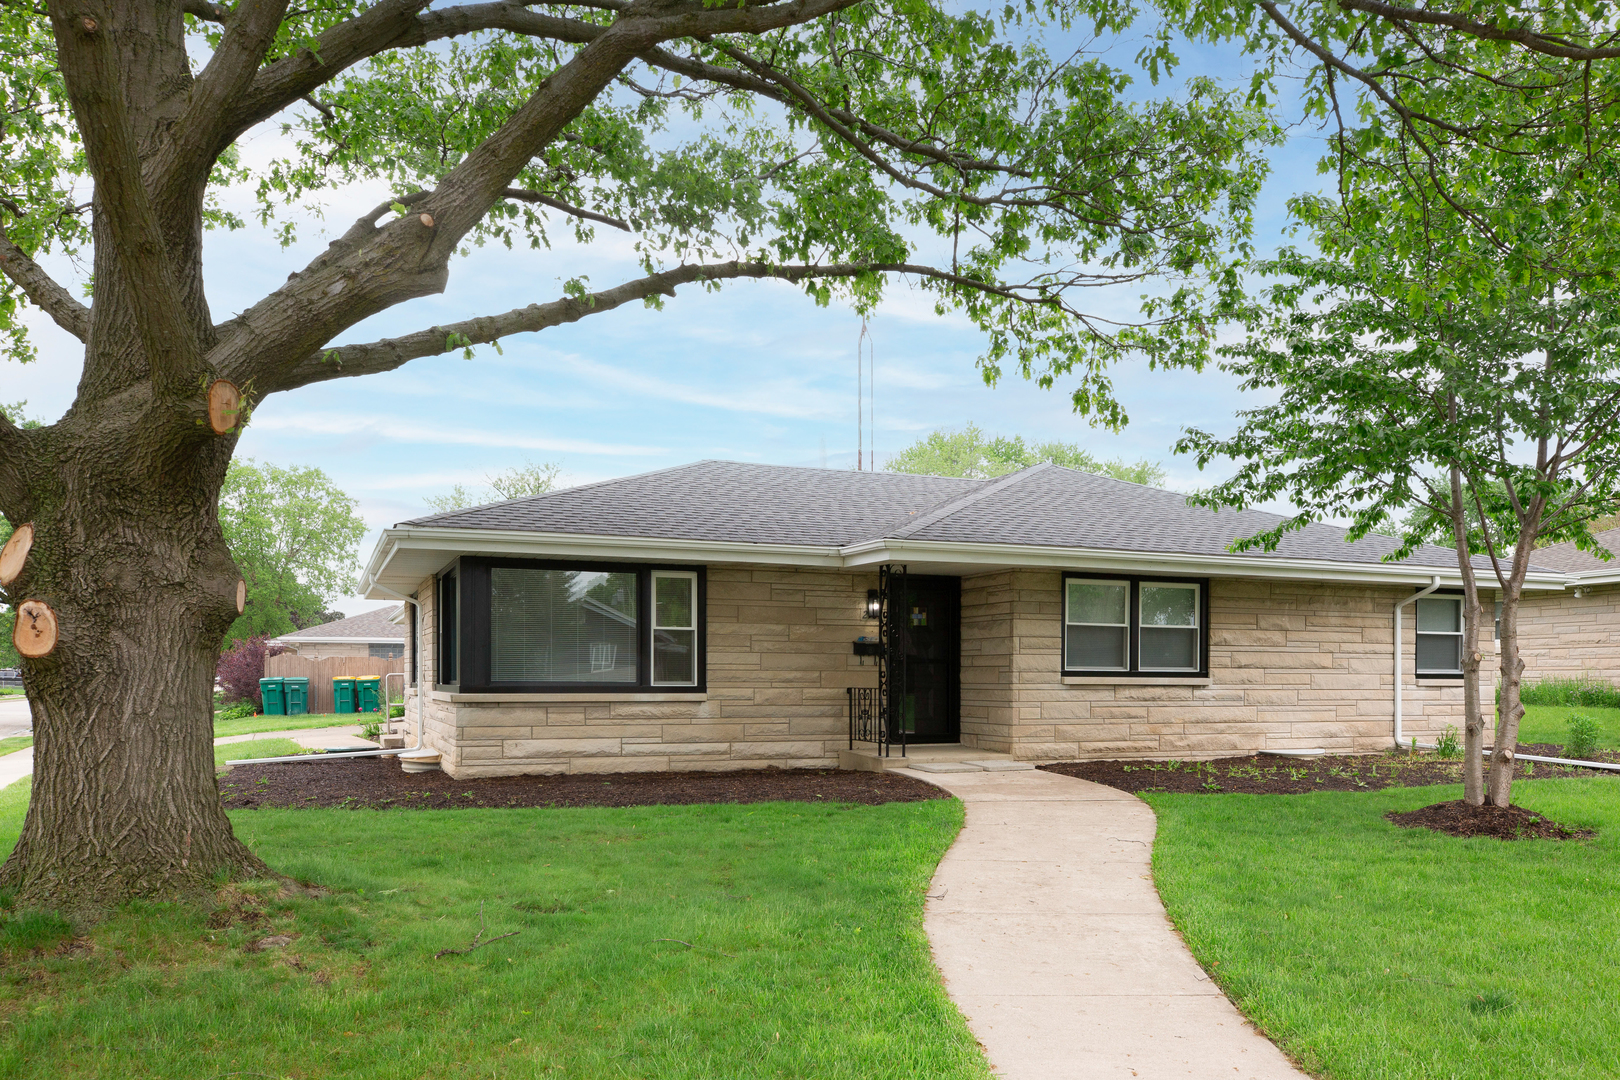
<point>296,538</point>
<point>970,453</point>
<point>515,483</point>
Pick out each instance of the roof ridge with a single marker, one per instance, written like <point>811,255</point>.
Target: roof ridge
<point>943,510</point>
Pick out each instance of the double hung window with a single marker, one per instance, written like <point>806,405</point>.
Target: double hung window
<point>569,627</point>
<point>1133,626</point>
<point>1439,635</point>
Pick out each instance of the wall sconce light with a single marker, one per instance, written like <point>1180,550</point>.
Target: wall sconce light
<point>874,604</point>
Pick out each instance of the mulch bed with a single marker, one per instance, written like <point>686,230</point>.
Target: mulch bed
<point>1265,775</point>
<point>379,783</point>
<point>1502,822</point>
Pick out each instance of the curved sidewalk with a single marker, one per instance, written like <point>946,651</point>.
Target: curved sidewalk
<point>1052,941</point>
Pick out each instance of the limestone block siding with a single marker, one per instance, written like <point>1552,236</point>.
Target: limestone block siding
<point>1292,665</point>
<point>780,655</point>
<point>1565,634</point>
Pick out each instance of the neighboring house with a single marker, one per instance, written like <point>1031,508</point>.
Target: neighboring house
<point>710,616</point>
<point>379,633</point>
<point>1576,632</point>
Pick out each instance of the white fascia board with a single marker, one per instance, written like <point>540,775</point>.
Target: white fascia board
<point>290,641</point>
<point>1063,558</point>
<point>1608,575</point>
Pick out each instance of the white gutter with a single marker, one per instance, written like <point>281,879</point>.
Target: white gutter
<point>416,662</point>
<point>870,554</point>
<point>1433,585</point>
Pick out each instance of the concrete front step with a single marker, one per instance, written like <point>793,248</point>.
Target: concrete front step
<point>930,757</point>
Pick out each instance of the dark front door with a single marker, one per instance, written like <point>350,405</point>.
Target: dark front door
<point>930,646</point>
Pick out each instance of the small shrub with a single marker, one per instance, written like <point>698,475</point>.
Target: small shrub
<point>241,668</point>
<point>1448,746</point>
<point>239,711</point>
<point>1564,690</point>
<point>371,730</point>
<point>395,711</point>
<point>1583,737</point>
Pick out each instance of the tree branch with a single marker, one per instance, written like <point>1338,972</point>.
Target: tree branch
<point>91,67</point>
<point>521,195</point>
<point>390,353</point>
<point>43,290</point>
<point>250,30</point>
<point>1541,43</point>
<point>202,9</point>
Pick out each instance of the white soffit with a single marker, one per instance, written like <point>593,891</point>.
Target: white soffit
<point>405,557</point>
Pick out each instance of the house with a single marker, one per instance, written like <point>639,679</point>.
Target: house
<point>1577,632</point>
<point>724,615</point>
<point>379,633</point>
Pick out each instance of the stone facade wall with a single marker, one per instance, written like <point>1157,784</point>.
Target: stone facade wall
<point>779,659</point>
<point>1293,665</point>
<point>1565,634</point>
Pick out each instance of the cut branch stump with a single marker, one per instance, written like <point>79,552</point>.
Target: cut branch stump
<point>13,555</point>
<point>35,632</point>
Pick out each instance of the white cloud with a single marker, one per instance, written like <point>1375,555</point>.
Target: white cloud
<point>345,424</point>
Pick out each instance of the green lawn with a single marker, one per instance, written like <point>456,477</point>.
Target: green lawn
<point>1369,951</point>
<point>806,959</point>
<point>254,724</point>
<point>12,745</point>
<point>1550,724</point>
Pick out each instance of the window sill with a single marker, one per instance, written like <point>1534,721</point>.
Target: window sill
<point>563,699</point>
<point>1136,680</point>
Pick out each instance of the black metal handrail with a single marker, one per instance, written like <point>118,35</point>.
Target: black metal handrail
<point>866,717</point>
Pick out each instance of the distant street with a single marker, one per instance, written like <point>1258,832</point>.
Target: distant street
<point>15,719</point>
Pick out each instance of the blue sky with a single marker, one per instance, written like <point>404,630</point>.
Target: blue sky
<point>754,372</point>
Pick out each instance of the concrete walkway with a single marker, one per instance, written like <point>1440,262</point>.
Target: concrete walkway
<point>14,767</point>
<point>1052,941</point>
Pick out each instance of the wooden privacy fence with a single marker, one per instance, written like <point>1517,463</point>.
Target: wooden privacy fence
<point>320,673</point>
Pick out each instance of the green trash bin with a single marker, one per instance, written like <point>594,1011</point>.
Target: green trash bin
<point>297,696</point>
<point>343,693</point>
<point>368,693</point>
<point>274,695</point>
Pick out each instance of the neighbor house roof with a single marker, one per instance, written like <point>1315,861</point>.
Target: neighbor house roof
<point>1572,560</point>
<point>1043,515</point>
<point>372,626</point>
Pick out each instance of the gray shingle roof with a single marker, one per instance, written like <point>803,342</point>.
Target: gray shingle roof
<point>372,626</point>
<point>1045,505</point>
<point>1572,560</point>
<point>723,501</point>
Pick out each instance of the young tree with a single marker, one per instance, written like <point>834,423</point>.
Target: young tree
<point>515,483</point>
<point>969,453</point>
<point>1427,390</point>
<point>830,143</point>
<point>296,538</point>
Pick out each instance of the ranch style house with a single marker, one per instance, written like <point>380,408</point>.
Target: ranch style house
<point>722,615</point>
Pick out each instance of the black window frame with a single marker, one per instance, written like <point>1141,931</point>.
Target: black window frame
<point>1441,676</point>
<point>447,597</point>
<point>474,619</point>
<point>1134,614</point>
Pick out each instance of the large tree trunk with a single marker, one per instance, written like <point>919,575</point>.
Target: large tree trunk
<point>129,554</point>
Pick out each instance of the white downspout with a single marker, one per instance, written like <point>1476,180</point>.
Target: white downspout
<point>1434,583</point>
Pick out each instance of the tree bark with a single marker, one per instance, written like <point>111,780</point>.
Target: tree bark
<point>1473,710</point>
<point>1510,710</point>
<point>124,800</point>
